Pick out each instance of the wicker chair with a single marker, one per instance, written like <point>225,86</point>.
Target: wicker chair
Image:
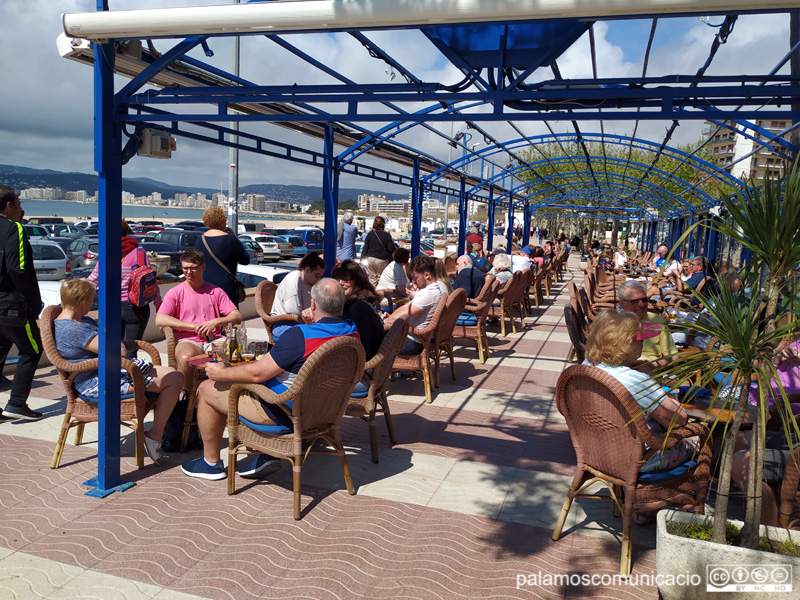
<point>133,408</point>
<point>265,295</point>
<point>523,305</point>
<point>789,494</point>
<point>376,372</point>
<point>609,434</point>
<point>319,395</point>
<point>444,332</point>
<point>507,296</point>
<point>480,309</point>
<point>576,331</point>
<point>422,362</point>
<point>536,288</point>
<point>450,267</point>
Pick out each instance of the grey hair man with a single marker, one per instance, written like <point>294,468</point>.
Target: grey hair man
<point>656,351</point>
<point>277,371</point>
<point>346,235</point>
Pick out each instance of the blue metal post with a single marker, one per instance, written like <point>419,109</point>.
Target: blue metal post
<point>490,224</point>
<point>330,193</point>
<point>416,209</point>
<point>526,225</point>
<point>510,230</point>
<point>108,164</point>
<point>462,216</point>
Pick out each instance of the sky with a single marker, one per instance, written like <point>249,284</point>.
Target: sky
<point>46,118</point>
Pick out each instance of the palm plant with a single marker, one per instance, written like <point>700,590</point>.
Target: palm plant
<point>749,328</point>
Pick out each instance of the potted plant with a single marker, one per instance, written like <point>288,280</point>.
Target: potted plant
<point>749,324</point>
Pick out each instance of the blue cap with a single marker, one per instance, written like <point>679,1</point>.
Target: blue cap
<point>526,250</point>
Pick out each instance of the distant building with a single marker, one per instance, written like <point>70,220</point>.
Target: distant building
<point>43,194</point>
<point>728,147</point>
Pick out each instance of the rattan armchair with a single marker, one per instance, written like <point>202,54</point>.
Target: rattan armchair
<point>133,408</point>
<point>508,298</point>
<point>576,328</point>
<point>610,437</point>
<point>444,332</point>
<point>376,373</point>
<point>422,362</point>
<point>265,296</point>
<point>480,309</point>
<point>319,396</point>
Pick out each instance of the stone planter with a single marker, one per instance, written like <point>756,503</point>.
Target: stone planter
<point>160,264</point>
<point>758,575</point>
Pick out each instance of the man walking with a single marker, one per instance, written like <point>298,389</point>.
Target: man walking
<point>346,233</point>
<point>20,303</point>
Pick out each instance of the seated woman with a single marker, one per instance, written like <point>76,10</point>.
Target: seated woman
<point>442,278</point>
<point>358,305</point>
<point>293,295</point>
<point>76,337</point>
<point>394,278</point>
<point>502,268</point>
<point>613,344</point>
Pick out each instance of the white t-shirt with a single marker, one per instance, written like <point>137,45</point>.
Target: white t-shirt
<point>426,300</point>
<point>519,263</point>
<point>292,296</point>
<point>620,259</point>
<point>393,275</point>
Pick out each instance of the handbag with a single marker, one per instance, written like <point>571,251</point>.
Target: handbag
<point>13,309</point>
<point>241,290</point>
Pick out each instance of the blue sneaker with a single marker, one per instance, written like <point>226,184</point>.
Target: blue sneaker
<point>261,466</point>
<point>200,468</point>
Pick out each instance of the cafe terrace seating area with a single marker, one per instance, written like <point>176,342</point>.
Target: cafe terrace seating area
<point>462,506</point>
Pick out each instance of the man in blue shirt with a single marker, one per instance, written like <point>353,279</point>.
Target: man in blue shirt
<point>346,233</point>
<point>469,277</point>
<point>277,370</point>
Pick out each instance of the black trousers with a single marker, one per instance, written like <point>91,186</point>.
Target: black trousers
<point>134,322</point>
<point>29,347</point>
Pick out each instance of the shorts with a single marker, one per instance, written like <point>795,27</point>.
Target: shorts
<point>778,451</point>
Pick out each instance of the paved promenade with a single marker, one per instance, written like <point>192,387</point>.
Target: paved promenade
<point>462,507</point>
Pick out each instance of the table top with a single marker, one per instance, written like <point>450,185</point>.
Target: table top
<point>200,361</point>
<point>709,415</point>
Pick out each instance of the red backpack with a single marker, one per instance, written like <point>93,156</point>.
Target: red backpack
<point>143,288</point>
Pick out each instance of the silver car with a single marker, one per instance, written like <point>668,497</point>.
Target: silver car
<point>267,243</point>
<point>49,260</point>
<point>66,230</point>
<point>285,246</point>
<point>83,252</point>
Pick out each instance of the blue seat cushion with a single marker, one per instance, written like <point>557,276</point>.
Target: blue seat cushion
<point>467,318</point>
<point>656,476</point>
<point>361,390</point>
<point>272,429</point>
<point>148,395</point>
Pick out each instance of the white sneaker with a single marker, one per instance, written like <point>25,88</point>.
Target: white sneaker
<point>153,448</point>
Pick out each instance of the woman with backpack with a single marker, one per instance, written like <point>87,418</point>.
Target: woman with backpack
<point>136,314</point>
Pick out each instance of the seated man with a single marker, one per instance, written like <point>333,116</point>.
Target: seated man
<point>521,260</point>
<point>276,370</point>
<point>656,351</point>
<point>196,311</point>
<point>469,278</point>
<point>659,257</point>
<point>420,310</point>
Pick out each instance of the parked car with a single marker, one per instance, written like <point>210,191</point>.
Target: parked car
<point>151,224</point>
<point>161,248</point>
<point>36,231</point>
<point>312,238</point>
<point>49,260</point>
<point>255,251</point>
<point>83,252</point>
<point>268,245</point>
<point>86,223</point>
<point>188,225</point>
<point>92,230</point>
<point>66,230</point>
<point>145,229</point>
<point>284,245</point>
<point>64,242</point>
<point>298,246</point>
<point>252,275</point>
<point>179,240</point>
<point>45,220</point>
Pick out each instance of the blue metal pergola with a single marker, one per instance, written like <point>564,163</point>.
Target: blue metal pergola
<point>508,75</point>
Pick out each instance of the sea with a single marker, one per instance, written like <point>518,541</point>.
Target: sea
<point>79,210</point>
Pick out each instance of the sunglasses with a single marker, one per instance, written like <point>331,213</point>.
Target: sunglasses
<point>635,301</point>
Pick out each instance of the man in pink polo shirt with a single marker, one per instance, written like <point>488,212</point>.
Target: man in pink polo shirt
<point>196,310</point>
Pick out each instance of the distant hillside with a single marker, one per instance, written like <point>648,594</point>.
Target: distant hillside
<point>24,177</point>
